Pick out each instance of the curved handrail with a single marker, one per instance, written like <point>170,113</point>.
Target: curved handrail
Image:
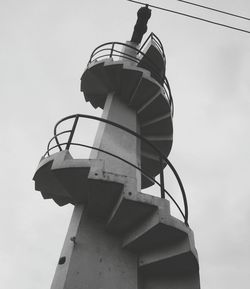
<point>160,154</point>
<point>53,138</point>
<point>155,69</point>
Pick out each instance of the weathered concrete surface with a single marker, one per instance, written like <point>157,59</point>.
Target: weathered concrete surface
<point>117,141</point>
<point>95,258</point>
<point>140,246</point>
<point>67,250</point>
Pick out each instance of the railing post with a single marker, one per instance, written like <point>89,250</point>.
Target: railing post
<point>58,144</point>
<point>162,178</point>
<point>112,49</point>
<point>182,191</point>
<point>72,132</point>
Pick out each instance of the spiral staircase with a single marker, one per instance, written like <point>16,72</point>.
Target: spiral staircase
<point>162,246</point>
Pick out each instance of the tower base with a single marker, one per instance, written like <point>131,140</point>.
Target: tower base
<point>94,258</point>
<point>118,238</point>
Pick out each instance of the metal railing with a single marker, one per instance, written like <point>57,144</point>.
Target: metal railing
<point>162,158</point>
<point>114,50</point>
<point>157,42</point>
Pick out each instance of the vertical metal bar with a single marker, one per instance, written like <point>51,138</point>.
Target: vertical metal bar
<point>112,49</point>
<point>72,132</point>
<point>182,190</point>
<point>162,178</point>
<point>56,138</point>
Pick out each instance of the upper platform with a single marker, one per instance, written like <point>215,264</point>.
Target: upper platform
<point>137,77</point>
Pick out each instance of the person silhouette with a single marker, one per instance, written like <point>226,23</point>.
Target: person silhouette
<point>140,28</point>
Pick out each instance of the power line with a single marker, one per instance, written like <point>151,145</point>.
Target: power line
<point>216,10</point>
<point>191,16</point>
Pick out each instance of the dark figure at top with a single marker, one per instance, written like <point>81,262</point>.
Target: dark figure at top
<point>140,28</point>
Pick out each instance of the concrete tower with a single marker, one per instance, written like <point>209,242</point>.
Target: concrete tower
<point>118,237</point>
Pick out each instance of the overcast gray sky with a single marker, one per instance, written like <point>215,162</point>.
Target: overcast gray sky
<point>45,46</point>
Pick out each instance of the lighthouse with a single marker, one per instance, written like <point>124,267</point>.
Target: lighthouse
<point>120,237</point>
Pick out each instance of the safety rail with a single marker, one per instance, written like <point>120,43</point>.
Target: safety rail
<point>156,41</point>
<point>114,50</point>
<point>162,158</point>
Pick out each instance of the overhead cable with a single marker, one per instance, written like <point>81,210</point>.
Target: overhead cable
<point>191,16</point>
<point>214,9</point>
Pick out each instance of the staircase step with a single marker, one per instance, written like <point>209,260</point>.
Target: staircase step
<point>102,197</point>
<point>147,88</point>
<point>148,103</point>
<point>153,157</point>
<point>164,145</point>
<point>131,78</point>
<point>155,138</point>
<point>74,181</point>
<point>47,182</point>
<point>146,182</point>
<point>61,201</point>
<point>169,253</point>
<point>131,209</point>
<point>100,72</point>
<point>112,72</point>
<point>62,178</point>
<point>159,106</point>
<point>46,195</point>
<point>92,82</point>
<point>157,230</point>
<point>67,180</point>
<point>72,174</point>
<point>150,164</point>
<point>158,126</point>
<point>96,101</point>
<point>178,264</point>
